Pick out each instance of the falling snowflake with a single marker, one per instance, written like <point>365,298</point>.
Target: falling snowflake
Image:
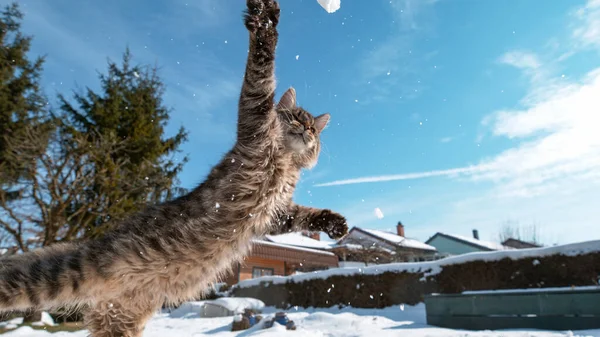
<point>297,57</point>
<point>378,213</point>
<point>330,5</point>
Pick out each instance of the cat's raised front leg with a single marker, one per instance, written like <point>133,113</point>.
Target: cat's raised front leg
<point>299,218</point>
<point>256,113</point>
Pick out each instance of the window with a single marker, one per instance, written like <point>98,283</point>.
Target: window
<point>259,271</point>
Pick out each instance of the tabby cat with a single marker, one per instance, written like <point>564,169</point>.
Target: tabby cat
<point>171,252</point>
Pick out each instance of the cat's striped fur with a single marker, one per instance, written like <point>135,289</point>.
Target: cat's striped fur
<point>173,251</point>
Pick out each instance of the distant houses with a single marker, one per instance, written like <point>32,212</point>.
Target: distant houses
<point>292,253</point>
<point>376,246</point>
<point>287,254</point>
<point>452,244</point>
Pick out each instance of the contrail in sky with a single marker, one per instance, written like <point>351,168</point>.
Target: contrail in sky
<point>405,176</point>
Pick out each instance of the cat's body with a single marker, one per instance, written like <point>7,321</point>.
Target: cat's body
<point>172,252</point>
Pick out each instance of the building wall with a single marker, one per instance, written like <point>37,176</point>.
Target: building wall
<point>345,264</point>
<point>247,266</point>
<point>447,246</point>
<point>415,255</point>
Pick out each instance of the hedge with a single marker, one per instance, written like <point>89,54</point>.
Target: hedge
<point>409,287</point>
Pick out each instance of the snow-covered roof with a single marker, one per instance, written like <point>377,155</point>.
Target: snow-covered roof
<point>398,240</point>
<point>481,243</point>
<point>268,243</point>
<point>297,239</point>
<point>350,246</point>
<point>353,246</point>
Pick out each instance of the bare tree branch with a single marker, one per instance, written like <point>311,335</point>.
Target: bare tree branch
<point>514,230</point>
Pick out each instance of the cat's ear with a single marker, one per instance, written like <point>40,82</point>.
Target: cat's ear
<point>321,122</point>
<point>288,100</point>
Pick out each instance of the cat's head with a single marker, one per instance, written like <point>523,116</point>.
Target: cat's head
<point>302,131</point>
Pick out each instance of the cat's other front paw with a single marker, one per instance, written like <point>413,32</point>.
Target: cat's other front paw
<point>336,225</point>
<point>262,15</point>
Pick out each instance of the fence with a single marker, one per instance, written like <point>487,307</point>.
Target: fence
<point>555,309</point>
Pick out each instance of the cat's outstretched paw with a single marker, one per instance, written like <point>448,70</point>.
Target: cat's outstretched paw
<point>262,15</point>
<point>336,225</point>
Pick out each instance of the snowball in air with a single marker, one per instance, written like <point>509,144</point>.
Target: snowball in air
<point>378,213</point>
<point>330,5</point>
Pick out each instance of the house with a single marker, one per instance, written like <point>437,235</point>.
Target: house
<point>363,245</point>
<point>283,255</point>
<point>451,244</point>
<point>519,244</point>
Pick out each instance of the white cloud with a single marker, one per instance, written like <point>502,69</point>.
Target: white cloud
<point>551,173</point>
<point>447,139</point>
<point>529,63</point>
<point>521,59</point>
<point>559,142</point>
<point>587,28</point>
<point>560,139</point>
<point>550,177</point>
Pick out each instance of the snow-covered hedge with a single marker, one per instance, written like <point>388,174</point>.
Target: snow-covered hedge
<point>390,284</point>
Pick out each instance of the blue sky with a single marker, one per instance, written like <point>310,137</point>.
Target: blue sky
<point>446,115</point>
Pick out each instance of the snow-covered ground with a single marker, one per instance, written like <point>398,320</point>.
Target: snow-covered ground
<point>392,321</point>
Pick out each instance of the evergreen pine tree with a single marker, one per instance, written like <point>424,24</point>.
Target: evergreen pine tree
<point>101,157</point>
<point>22,105</point>
<point>22,112</point>
<point>130,109</point>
